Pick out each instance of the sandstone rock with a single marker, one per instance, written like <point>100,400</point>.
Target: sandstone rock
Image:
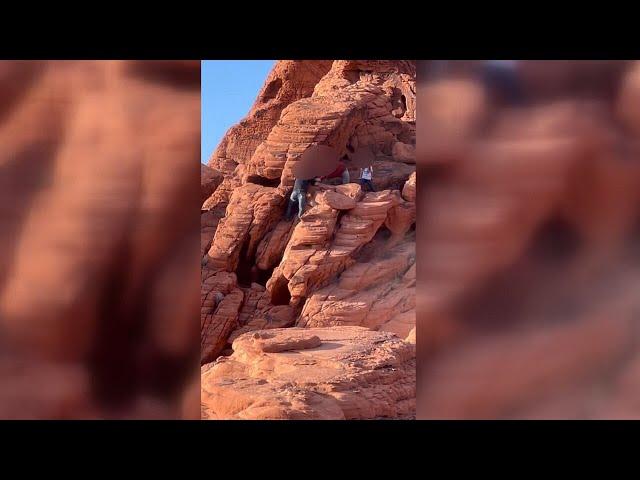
<point>351,104</point>
<point>335,112</point>
<point>351,190</point>
<point>209,181</point>
<point>409,189</point>
<point>252,210</point>
<point>403,152</point>
<point>336,200</point>
<point>290,80</point>
<point>391,175</point>
<point>208,225</point>
<point>220,198</point>
<point>334,373</point>
<point>311,261</point>
<point>400,219</point>
<point>220,304</point>
<point>411,338</point>
<point>257,313</point>
<point>379,295</point>
<point>271,248</point>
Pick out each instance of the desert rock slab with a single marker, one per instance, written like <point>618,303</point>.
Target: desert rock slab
<point>322,373</point>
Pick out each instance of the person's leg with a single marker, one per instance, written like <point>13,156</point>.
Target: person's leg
<point>345,177</point>
<point>292,201</point>
<point>302,200</point>
<point>370,185</point>
<point>287,215</point>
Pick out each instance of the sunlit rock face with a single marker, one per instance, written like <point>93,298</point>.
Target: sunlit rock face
<point>262,272</point>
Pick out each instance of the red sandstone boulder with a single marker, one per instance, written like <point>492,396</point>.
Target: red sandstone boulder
<point>379,294</point>
<point>209,181</point>
<point>403,152</point>
<point>409,189</point>
<point>325,373</point>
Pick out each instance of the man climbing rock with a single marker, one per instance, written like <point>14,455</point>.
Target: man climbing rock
<point>366,174</point>
<point>299,194</point>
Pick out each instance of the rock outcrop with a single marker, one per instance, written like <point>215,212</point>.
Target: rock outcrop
<point>379,294</point>
<point>322,247</point>
<point>312,374</point>
<point>289,81</point>
<point>210,179</point>
<point>262,272</point>
<point>353,105</point>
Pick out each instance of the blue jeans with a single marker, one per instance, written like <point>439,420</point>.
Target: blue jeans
<point>301,199</point>
<point>366,182</point>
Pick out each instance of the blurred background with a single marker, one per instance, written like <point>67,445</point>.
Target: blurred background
<point>528,243</point>
<point>99,270</point>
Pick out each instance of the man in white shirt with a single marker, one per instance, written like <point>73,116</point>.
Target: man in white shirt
<point>365,178</point>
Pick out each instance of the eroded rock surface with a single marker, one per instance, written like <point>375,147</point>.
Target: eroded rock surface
<point>379,294</point>
<point>304,374</point>
<point>210,179</point>
<point>260,270</point>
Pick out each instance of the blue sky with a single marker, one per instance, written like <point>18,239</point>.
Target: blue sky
<point>229,88</point>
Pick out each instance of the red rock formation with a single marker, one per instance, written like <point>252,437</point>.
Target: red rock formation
<point>289,81</point>
<point>220,306</point>
<point>379,294</point>
<point>321,247</point>
<point>303,374</point>
<point>252,210</point>
<point>350,107</point>
<point>210,179</point>
<point>208,225</point>
<point>279,264</point>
